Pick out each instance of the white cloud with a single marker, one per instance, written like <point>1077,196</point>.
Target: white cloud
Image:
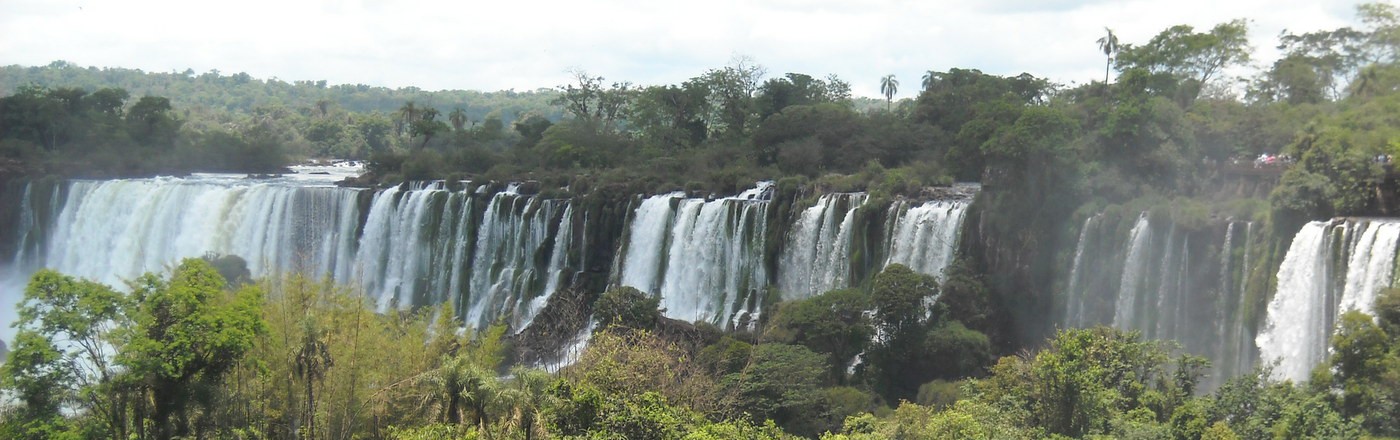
<point>525,45</point>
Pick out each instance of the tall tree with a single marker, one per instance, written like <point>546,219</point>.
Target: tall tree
<point>888,87</point>
<point>187,334</point>
<point>1109,45</point>
<point>1191,58</point>
<point>313,358</point>
<point>458,118</point>
<point>408,114</point>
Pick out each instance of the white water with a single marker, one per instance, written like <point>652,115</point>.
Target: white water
<point>1167,281</point>
<point>647,242</point>
<point>926,235</point>
<point>1302,315</point>
<point>513,236</point>
<point>417,246</point>
<point>710,266</point>
<point>1371,266</point>
<point>111,231</point>
<point>1295,333</point>
<point>817,257</point>
<point>1134,267</point>
<point>1076,298</point>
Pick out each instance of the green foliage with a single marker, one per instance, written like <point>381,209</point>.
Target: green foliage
<point>967,107</point>
<point>1194,58</point>
<point>939,394</point>
<point>728,355</point>
<point>901,297</point>
<point>1388,311</point>
<point>626,307</point>
<point>833,323</point>
<point>433,432</point>
<point>1365,368</point>
<point>958,351</point>
<point>1085,379</point>
<point>964,297</point>
<point>781,382</point>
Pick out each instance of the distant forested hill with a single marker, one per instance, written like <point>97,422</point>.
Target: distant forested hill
<point>241,93</point>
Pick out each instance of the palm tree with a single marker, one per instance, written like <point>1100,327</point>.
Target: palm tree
<point>929,78</point>
<point>889,86</point>
<point>458,117</point>
<point>1109,45</point>
<point>408,114</point>
<point>456,387</point>
<point>526,398</point>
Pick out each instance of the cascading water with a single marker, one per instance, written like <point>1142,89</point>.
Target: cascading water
<point>420,244</point>
<point>817,257</point>
<point>114,230</point>
<point>706,263</point>
<point>925,236</point>
<point>515,259</point>
<point>644,261</point>
<point>1075,310</point>
<point>494,255</point>
<point>1297,316</point>
<point>1134,270</point>
<point>1313,290</point>
<point>1156,278</point>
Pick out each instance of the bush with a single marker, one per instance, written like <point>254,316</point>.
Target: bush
<point>626,307</point>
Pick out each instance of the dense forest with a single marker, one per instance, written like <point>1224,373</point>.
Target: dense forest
<point>206,352</point>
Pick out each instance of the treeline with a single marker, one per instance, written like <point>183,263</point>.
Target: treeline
<point>68,120</point>
<point>240,93</point>
<point>191,355</point>
<point>105,133</point>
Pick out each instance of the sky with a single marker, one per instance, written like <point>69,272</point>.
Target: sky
<point>524,45</point>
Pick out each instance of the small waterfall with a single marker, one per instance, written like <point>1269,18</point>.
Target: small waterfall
<point>1076,296</point>
<point>1371,266</point>
<point>1222,304</point>
<point>1314,289</point>
<point>711,255</point>
<point>817,257</point>
<point>1134,269</point>
<point>1244,351</point>
<point>644,260</point>
<point>926,235</point>
<point>398,245</point>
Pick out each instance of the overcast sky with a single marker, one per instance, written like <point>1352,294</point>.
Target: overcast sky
<point>530,44</point>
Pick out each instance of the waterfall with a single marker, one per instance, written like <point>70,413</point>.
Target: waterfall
<point>1076,297</point>
<point>1222,304</point>
<point>494,255</point>
<point>1313,291</point>
<point>926,235</point>
<point>497,256</point>
<point>647,242</point>
<point>1296,330</point>
<point>1168,281</point>
<point>1371,266</point>
<point>1134,269</point>
<point>1244,351</point>
<point>516,235</point>
<point>709,255</point>
<point>817,257</point>
<point>114,230</point>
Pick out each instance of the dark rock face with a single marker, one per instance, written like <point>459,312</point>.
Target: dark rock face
<point>4,351</point>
